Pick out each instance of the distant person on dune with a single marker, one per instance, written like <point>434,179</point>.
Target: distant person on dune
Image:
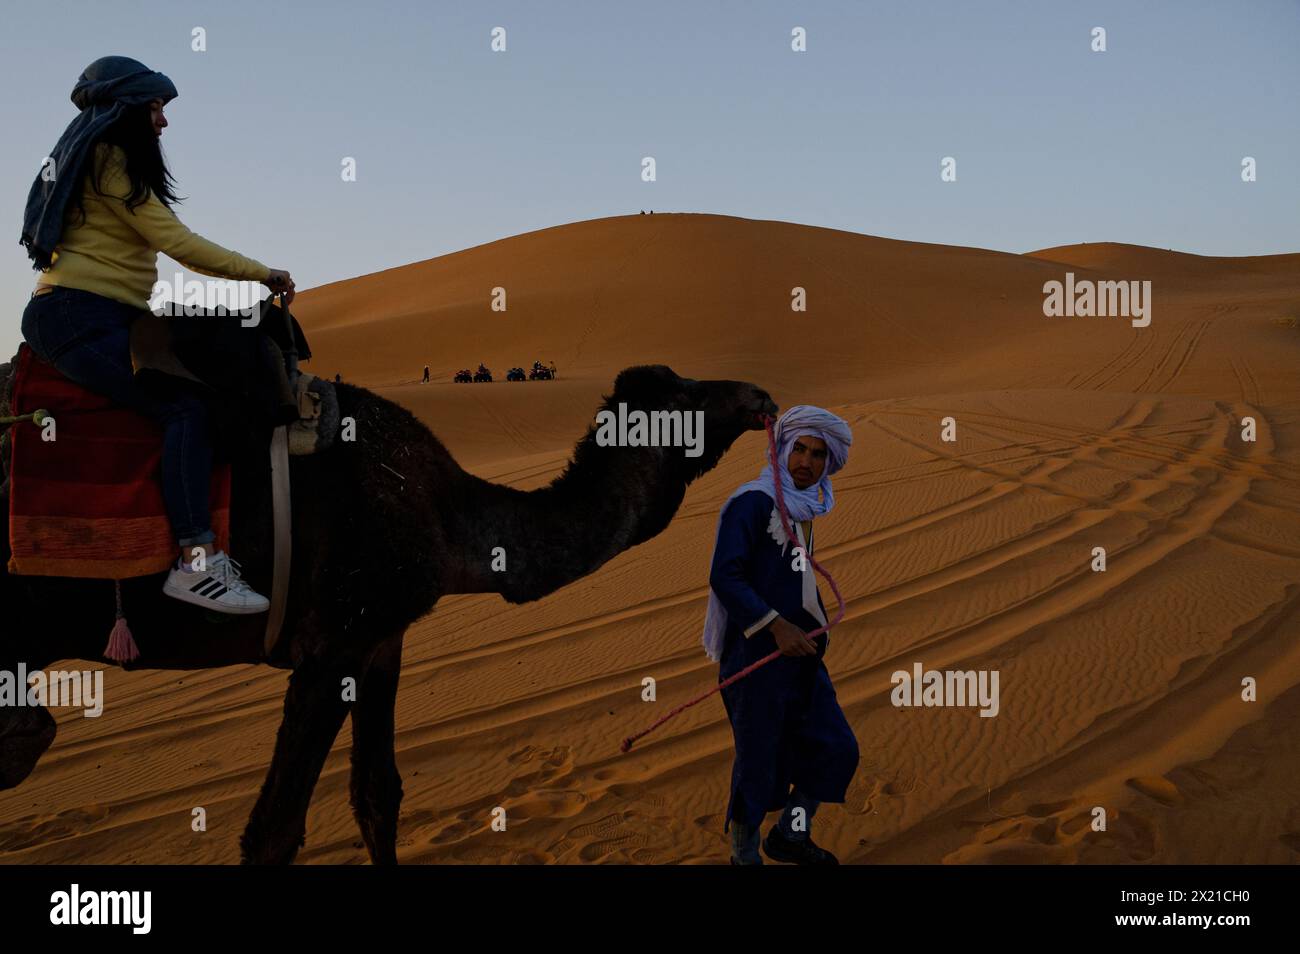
<point>794,748</point>
<point>425,379</point>
<point>554,373</point>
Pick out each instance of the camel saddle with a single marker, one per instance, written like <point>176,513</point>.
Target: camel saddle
<point>254,394</point>
<point>240,372</point>
<point>251,387</point>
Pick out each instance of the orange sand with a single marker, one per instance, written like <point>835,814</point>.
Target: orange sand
<point>1118,689</point>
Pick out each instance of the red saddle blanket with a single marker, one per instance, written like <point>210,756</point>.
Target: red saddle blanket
<point>89,503</point>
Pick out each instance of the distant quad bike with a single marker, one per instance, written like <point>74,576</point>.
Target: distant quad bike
<point>539,372</point>
<point>516,374</point>
<point>482,374</point>
<point>464,376</point>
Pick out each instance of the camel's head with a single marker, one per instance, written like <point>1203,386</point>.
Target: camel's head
<point>726,409</point>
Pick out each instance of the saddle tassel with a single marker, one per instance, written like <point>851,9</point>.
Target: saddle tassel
<point>121,644</point>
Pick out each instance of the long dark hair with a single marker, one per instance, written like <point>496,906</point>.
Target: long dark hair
<point>145,166</point>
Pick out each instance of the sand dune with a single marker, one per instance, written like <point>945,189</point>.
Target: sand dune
<point>1119,689</point>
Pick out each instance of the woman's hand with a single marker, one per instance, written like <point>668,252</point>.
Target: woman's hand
<point>279,281</point>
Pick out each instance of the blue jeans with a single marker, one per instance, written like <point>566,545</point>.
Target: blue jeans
<point>87,337</point>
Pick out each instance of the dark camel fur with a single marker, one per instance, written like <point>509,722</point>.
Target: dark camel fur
<point>383,526</point>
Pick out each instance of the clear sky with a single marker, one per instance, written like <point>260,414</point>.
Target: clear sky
<point>456,145</point>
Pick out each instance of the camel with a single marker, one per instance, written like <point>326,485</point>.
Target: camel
<point>383,527</point>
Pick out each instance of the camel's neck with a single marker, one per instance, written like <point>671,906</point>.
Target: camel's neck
<point>525,545</point>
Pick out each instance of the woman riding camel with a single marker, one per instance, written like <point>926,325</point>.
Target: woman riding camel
<point>97,216</point>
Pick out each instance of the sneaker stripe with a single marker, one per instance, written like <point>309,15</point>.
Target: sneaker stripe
<point>221,589</point>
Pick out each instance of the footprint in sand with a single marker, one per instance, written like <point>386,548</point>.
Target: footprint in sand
<point>555,764</point>
<point>710,821</point>
<point>481,853</point>
<point>1045,809</point>
<point>547,803</point>
<point>541,793</point>
<point>522,755</point>
<point>42,829</point>
<point>611,836</point>
<point>899,787</point>
<point>861,795</point>
<point>633,792</point>
<point>1134,835</point>
<point>467,823</point>
<point>1158,787</point>
<point>534,858</point>
<point>1079,822</point>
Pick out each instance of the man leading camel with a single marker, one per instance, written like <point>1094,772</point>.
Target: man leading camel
<point>794,748</point>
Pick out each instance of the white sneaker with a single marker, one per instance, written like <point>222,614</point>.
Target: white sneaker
<point>218,588</point>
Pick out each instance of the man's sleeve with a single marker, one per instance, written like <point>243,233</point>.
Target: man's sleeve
<point>159,226</point>
<point>743,525</point>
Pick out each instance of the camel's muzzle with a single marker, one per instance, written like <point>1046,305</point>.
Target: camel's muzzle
<point>768,408</point>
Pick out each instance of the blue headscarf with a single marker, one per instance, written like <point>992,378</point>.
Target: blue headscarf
<point>103,91</point>
<point>812,501</point>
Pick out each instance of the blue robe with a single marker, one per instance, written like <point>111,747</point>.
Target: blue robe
<point>787,723</point>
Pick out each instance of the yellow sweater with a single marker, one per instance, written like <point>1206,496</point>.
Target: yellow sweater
<point>114,253</point>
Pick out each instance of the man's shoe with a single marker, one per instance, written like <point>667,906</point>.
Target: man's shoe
<point>218,588</point>
<point>805,852</point>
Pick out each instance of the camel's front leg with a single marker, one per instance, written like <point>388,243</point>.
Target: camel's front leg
<point>26,731</point>
<point>376,783</point>
<point>314,708</point>
<point>25,734</point>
